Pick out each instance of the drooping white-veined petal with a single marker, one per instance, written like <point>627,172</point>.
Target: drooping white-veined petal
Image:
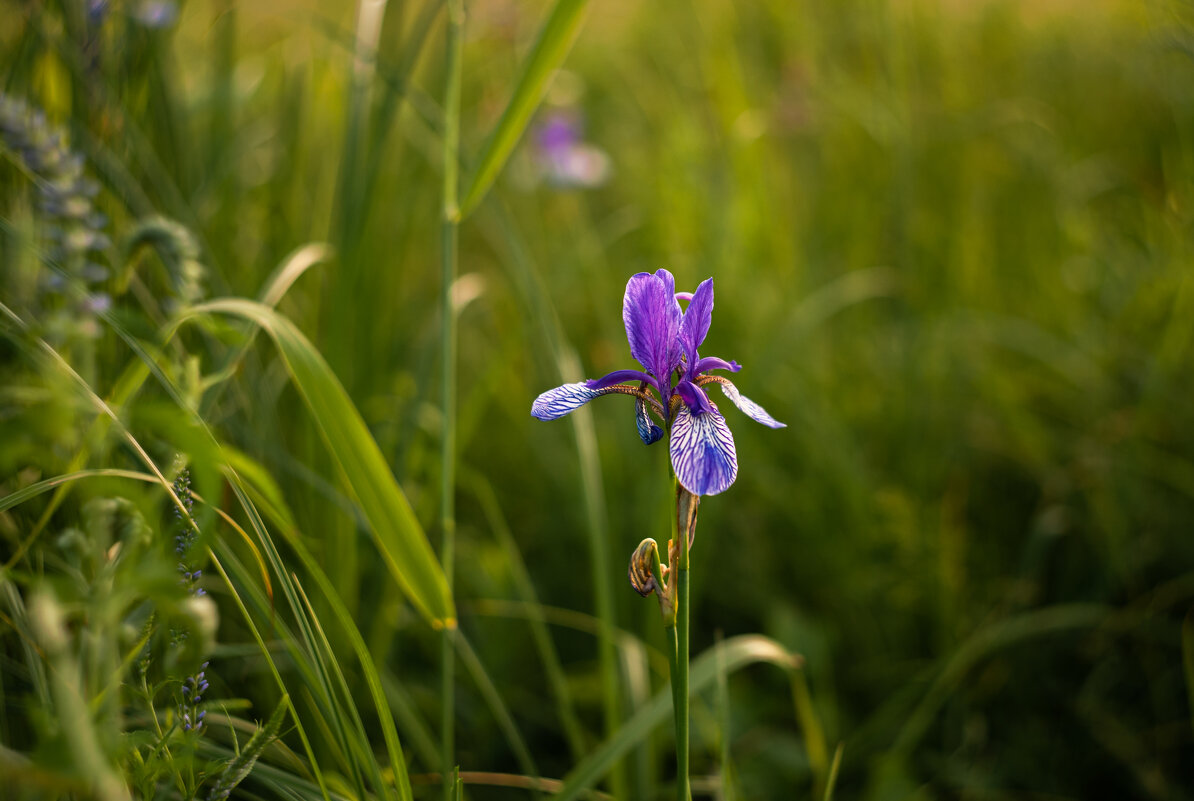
<point>648,432</point>
<point>556,403</point>
<point>702,450</point>
<point>751,409</point>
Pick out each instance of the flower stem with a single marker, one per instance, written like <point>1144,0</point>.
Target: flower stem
<point>450,224</point>
<point>681,676</point>
<point>676,629</point>
<point>669,629</point>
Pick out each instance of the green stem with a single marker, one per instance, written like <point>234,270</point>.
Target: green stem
<point>450,224</point>
<point>681,682</point>
<point>669,630</point>
<point>677,633</point>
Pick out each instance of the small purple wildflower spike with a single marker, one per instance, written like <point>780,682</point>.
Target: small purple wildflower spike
<point>195,685</point>
<point>665,341</point>
<point>73,232</point>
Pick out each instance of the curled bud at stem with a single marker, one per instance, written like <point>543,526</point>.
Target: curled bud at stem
<point>642,567</point>
<point>646,576</point>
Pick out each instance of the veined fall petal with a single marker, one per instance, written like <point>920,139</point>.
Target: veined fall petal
<point>562,400</point>
<point>702,450</point>
<point>751,409</point>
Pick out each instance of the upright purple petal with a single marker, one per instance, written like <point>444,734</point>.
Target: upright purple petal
<point>702,450</point>
<point>560,401</point>
<point>652,317</point>
<point>752,410</point>
<point>669,284</point>
<point>694,327</point>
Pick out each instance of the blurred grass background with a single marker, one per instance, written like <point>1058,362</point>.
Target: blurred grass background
<point>952,245</point>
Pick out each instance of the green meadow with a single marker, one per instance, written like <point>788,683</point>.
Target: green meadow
<point>281,280</point>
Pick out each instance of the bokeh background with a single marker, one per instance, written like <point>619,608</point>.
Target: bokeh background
<point>953,247</point>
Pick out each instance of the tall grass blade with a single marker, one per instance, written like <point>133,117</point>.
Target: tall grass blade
<point>395,528</point>
<point>735,653</point>
<point>402,706</point>
<point>834,767</point>
<point>138,370</point>
<point>83,739</point>
<point>497,706</point>
<point>1038,623</point>
<point>723,720</point>
<point>317,663</point>
<point>548,655</point>
<point>291,269</point>
<point>260,486</point>
<point>45,485</point>
<point>449,234</point>
<point>368,668</point>
<point>814,734</point>
<point>1188,662</point>
<point>509,238</point>
<point>238,769</point>
<point>282,517</point>
<point>273,667</point>
<point>555,40</point>
<point>41,349</point>
<point>18,620</point>
<point>362,744</point>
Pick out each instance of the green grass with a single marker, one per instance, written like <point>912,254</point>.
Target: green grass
<point>952,245</point>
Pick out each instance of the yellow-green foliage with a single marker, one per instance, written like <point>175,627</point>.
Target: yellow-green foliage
<point>953,248</point>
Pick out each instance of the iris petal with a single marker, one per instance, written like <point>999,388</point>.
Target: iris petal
<point>702,450</point>
<point>648,432</point>
<point>694,327</point>
<point>652,317</point>
<point>752,410</point>
<point>556,403</point>
<point>694,397</point>
<point>713,363</point>
<point>618,377</point>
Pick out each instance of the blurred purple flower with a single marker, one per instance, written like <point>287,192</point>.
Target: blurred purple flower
<point>156,13</point>
<point>664,340</point>
<point>98,303</point>
<point>97,10</point>
<point>558,134</point>
<point>564,159</point>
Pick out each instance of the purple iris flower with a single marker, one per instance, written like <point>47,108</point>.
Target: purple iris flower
<point>664,340</point>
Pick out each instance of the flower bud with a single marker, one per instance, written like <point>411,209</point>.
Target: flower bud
<point>642,563</point>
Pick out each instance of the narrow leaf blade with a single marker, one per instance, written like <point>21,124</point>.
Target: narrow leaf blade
<point>555,40</point>
<point>238,768</point>
<point>396,530</point>
<point>733,654</point>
